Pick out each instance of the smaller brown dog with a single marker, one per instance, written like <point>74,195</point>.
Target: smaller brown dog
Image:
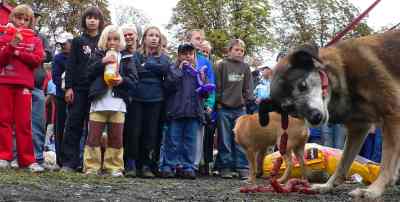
<point>255,140</point>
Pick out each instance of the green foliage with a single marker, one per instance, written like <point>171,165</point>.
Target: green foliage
<point>317,21</point>
<point>62,15</point>
<point>225,19</point>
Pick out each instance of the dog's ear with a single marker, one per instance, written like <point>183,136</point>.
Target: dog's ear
<point>265,108</point>
<point>304,56</point>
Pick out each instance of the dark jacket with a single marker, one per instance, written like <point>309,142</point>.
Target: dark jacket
<point>98,86</point>
<point>59,65</point>
<point>183,100</point>
<point>151,71</point>
<point>82,49</point>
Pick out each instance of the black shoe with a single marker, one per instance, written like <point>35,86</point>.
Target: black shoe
<point>130,173</point>
<point>243,174</point>
<point>226,174</point>
<point>146,173</point>
<point>166,174</point>
<point>189,175</point>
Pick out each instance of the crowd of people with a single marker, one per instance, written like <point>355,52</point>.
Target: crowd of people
<point>122,107</point>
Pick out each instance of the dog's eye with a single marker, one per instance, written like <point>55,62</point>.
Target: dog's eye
<point>302,86</point>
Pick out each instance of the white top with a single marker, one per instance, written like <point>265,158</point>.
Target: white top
<point>108,103</point>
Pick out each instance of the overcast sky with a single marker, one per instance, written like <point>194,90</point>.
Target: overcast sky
<point>160,11</point>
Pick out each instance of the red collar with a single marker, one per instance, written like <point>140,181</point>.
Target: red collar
<point>324,82</point>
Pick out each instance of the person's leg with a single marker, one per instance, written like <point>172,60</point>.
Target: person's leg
<point>326,135</point>
<point>38,123</point>
<point>61,115</point>
<point>92,153</point>
<point>77,113</point>
<point>7,103</point>
<point>132,133</point>
<point>113,156</point>
<point>191,127</point>
<point>172,147</point>
<point>151,121</point>
<point>339,135</point>
<point>208,146</point>
<point>199,146</point>
<point>241,163</point>
<point>224,159</point>
<point>23,127</point>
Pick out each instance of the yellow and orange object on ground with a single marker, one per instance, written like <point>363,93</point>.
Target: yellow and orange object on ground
<point>320,158</point>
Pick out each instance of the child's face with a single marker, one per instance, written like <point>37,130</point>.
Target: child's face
<point>130,38</point>
<point>92,23</point>
<point>267,73</point>
<point>22,21</point>
<point>237,51</point>
<point>197,40</point>
<point>187,55</point>
<point>152,39</point>
<point>113,41</point>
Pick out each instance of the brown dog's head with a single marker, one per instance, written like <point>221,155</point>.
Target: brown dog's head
<point>296,86</point>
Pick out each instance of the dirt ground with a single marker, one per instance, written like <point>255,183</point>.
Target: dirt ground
<point>54,186</point>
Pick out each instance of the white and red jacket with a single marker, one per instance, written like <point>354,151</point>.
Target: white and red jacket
<point>18,70</point>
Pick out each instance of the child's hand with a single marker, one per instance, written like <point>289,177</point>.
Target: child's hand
<point>17,39</point>
<point>258,101</point>
<point>117,81</point>
<point>184,62</point>
<point>109,59</point>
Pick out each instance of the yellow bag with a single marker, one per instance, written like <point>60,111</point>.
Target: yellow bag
<point>324,159</point>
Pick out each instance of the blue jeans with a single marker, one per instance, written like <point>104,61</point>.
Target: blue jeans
<point>38,123</point>
<point>230,154</point>
<point>180,144</point>
<point>333,135</point>
<point>372,148</point>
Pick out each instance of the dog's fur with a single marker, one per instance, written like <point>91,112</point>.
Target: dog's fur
<point>255,140</point>
<point>364,88</point>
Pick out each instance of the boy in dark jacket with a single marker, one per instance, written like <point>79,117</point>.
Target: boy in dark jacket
<point>184,114</point>
<point>109,99</point>
<point>77,87</point>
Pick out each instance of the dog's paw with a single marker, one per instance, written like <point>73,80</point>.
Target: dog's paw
<point>368,193</point>
<point>322,188</point>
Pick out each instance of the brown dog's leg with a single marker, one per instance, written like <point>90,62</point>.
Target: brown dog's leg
<point>357,132</point>
<point>390,160</point>
<point>289,166</point>
<point>251,156</point>
<point>260,162</point>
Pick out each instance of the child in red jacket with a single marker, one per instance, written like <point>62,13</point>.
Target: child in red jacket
<point>21,51</point>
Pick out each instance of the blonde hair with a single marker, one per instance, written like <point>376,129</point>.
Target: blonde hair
<point>207,44</point>
<point>23,10</point>
<point>106,33</point>
<point>190,34</point>
<point>130,27</point>
<point>143,48</point>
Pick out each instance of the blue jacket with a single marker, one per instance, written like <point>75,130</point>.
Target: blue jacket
<point>183,101</point>
<point>151,71</point>
<point>202,61</point>
<point>59,65</point>
<point>262,90</point>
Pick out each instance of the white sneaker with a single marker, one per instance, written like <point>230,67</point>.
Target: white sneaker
<point>35,168</point>
<point>14,164</point>
<point>4,164</point>
<point>116,173</point>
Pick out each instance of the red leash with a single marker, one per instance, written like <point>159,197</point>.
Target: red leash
<point>352,24</point>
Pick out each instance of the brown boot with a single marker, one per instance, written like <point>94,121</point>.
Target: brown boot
<point>91,160</point>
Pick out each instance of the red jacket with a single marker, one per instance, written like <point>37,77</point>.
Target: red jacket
<point>18,70</point>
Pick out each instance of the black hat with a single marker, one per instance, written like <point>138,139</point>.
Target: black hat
<point>185,47</point>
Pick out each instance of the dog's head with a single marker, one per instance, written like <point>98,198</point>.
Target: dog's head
<point>297,86</point>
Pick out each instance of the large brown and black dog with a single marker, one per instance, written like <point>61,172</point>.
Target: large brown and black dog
<point>255,140</point>
<point>363,77</point>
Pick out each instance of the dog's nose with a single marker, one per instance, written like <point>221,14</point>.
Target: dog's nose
<point>315,117</point>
